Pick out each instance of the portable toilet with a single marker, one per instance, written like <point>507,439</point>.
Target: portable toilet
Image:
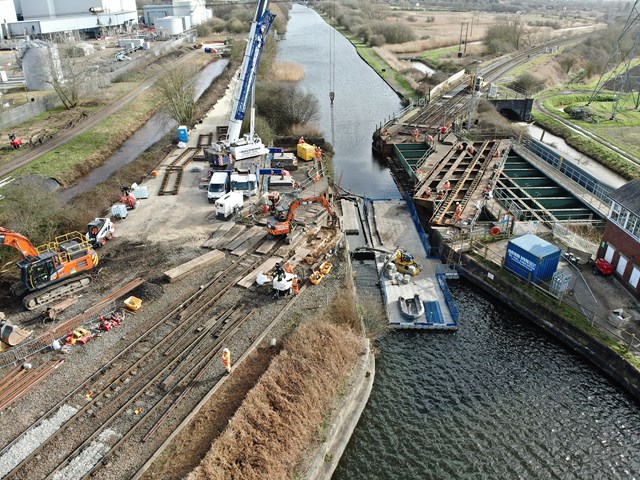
<point>183,136</point>
<point>532,258</point>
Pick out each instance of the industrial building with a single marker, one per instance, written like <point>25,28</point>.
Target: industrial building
<point>177,17</point>
<point>621,239</point>
<point>46,18</point>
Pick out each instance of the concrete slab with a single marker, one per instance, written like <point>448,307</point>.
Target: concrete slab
<point>251,242</point>
<point>349,218</point>
<point>220,230</point>
<point>246,234</point>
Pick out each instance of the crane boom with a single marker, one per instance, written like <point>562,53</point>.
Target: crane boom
<point>262,21</point>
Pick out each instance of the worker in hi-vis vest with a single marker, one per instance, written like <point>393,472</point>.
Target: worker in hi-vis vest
<point>226,360</point>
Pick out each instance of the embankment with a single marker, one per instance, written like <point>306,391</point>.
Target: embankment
<point>287,408</point>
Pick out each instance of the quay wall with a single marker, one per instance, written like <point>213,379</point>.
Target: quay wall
<point>598,353</point>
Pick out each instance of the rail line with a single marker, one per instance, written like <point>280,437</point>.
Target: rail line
<point>111,376</point>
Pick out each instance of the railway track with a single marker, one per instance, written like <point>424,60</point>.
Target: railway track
<point>133,391</point>
<point>441,112</point>
<point>173,172</point>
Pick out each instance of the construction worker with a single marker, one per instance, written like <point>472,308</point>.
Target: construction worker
<point>458,212</point>
<point>301,140</point>
<point>416,135</point>
<point>226,360</point>
<point>447,186</point>
<point>318,153</point>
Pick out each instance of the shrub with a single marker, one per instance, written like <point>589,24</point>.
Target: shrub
<point>284,412</point>
<point>284,105</point>
<point>527,83</point>
<point>377,41</point>
<point>393,32</point>
<point>203,30</point>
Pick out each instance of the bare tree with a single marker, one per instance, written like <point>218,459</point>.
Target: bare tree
<point>178,90</point>
<point>66,74</point>
<point>505,36</point>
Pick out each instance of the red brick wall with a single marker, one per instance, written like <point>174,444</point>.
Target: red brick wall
<point>625,244</point>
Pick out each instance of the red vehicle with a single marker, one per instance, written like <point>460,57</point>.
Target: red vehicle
<point>602,267</point>
<point>15,142</point>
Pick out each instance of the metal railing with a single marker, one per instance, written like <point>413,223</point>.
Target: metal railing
<point>563,164</point>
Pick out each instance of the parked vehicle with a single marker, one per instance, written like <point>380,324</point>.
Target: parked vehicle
<point>99,231</point>
<point>218,185</point>
<point>601,266</point>
<point>229,204</point>
<point>246,183</point>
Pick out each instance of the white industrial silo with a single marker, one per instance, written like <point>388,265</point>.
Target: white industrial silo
<point>169,25</point>
<point>40,61</point>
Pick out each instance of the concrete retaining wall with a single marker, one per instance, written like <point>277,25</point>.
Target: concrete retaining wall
<point>578,340</point>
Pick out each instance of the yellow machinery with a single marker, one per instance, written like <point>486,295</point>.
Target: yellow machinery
<point>305,151</point>
<point>405,263</point>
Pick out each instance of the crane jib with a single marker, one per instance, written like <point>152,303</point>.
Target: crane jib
<point>253,58</point>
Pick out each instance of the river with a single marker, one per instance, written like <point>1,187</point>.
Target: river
<point>152,131</point>
<point>358,106</point>
<point>499,399</point>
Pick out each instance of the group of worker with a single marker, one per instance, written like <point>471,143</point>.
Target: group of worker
<point>470,148</point>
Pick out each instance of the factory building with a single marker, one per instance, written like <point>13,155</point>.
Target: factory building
<point>165,17</point>
<point>45,18</point>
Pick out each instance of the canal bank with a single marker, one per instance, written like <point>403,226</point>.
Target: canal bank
<point>578,340</point>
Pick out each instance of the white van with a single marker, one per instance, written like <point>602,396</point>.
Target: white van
<point>229,204</point>
<point>218,185</point>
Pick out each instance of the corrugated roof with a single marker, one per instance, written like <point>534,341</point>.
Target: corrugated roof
<point>628,196</point>
<point>535,245</point>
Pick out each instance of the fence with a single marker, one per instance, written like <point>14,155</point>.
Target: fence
<point>565,165</point>
<point>569,237</point>
<point>626,338</point>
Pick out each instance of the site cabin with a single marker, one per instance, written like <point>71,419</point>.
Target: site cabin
<point>229,204</point>
<point>219,184</point>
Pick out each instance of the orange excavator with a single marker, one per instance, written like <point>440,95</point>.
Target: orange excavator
<point>46,271</point>
<point>284,227</point>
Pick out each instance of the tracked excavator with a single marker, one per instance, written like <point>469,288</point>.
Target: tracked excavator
<point>284,227</point>
<point>52,270</point>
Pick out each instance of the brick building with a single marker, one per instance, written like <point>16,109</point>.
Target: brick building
<point>621,239</point>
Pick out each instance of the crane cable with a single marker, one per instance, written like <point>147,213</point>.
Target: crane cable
<point>332,57</point>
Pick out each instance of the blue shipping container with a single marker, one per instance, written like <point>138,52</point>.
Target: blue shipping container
<point>531,257</point>
<point>183,136</point>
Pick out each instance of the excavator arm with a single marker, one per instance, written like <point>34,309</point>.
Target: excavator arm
<point>17,241</point>
<point>284,227</point>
